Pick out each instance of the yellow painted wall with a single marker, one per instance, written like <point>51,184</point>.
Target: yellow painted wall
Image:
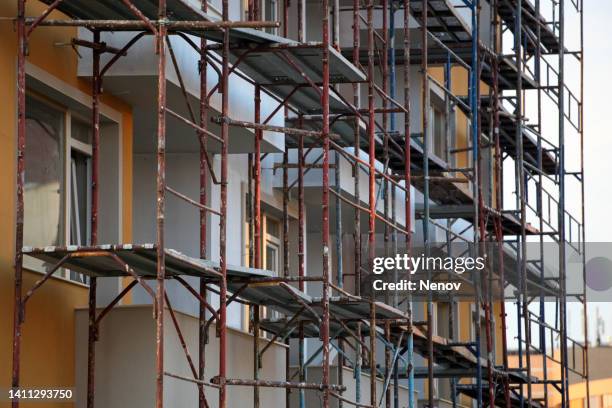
<point>459,87</point>
<point>597,389</point>
<point>48,334</point>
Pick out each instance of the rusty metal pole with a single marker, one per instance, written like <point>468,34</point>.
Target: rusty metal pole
<point>256,9</point>
<point>371,137</point>
<point>160,211</point>
<point>301,12</point>
<point>357,193</point>
<point>383,183</point>
<point>224,82</point>
<point>19,210</point>
<point>356,169</point>
<point>325,203</point>
<point>255,310</point>
<point>388,367</point>
<point>301,265</point>
<point>257,182</point>
<point>203,105</point>
<point>373,354</point>
<point>95,113</point>
<point>286,217</point>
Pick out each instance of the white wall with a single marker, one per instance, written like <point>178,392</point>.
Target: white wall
<point>182,219</point>
<point>313,398</point>
<point>125,362</point>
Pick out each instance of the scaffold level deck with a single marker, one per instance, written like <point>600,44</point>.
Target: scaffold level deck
<point>97,261</point>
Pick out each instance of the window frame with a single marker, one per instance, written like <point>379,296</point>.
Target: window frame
<point>274,8</point>
<point>273,241</point>
<point>68,144</point>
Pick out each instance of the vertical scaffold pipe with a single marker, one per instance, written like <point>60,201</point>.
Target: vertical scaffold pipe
<point>561,210</point>
<point>257,182</point>
<point>224,83</point>
<point>19,208</point>
<point>371,137</point>
<point>499,195</point>
<point>475,107</point>
<point>257,234</point>
<point>392,127</point>
<point>161,201</point>
<point>371,187</point>
<point>583,213</point>
<point>523,311</point>
<point>372,356</point>
<point>325,203</point>
<point>356,186</point>
<point>95,155</point>
<point>425,126</point>
<point>301,265</point>
<point>202,137</point>
<point>408,202</point>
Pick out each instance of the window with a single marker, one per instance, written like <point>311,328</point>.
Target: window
<point>43,174</point>
<point>272,245</point>
<point>80,187</point>
<point>272,254</point>
<point>57,191</point>
<point>438,133</point>
<point>270,13</point>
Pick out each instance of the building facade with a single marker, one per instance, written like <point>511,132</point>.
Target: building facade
<point>197,198</point>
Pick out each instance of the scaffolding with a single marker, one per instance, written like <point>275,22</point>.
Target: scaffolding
<point>304,78</point>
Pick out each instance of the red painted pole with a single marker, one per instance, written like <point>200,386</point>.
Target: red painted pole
<point>19,211</point>
<point>160,211</point>
<point>224,81</point>
<point>92,326</point>
<point>202,331</point>
<point>325,204</point>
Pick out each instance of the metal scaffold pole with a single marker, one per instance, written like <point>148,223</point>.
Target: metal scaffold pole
<point>325,204</point>
<point>22,47</point>
<point>408,202</point>
<point>586,375</point>
<point>426,204</point>
<point>161,204</point>
<point>203,200</point>
<point>561,212</point>
<point>222,320</point>
<point>478,227</point>
<point>498,166</point>
<point>95,165</point>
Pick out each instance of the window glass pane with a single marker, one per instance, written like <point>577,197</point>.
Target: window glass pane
<point>43,174</point>
<point>272,227</point>
<point>80,186</point>
<point>270,11</point>
<point>595,401</point>
<point>80,201</point>
<point>271,258</point>
<point>80,131</point>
